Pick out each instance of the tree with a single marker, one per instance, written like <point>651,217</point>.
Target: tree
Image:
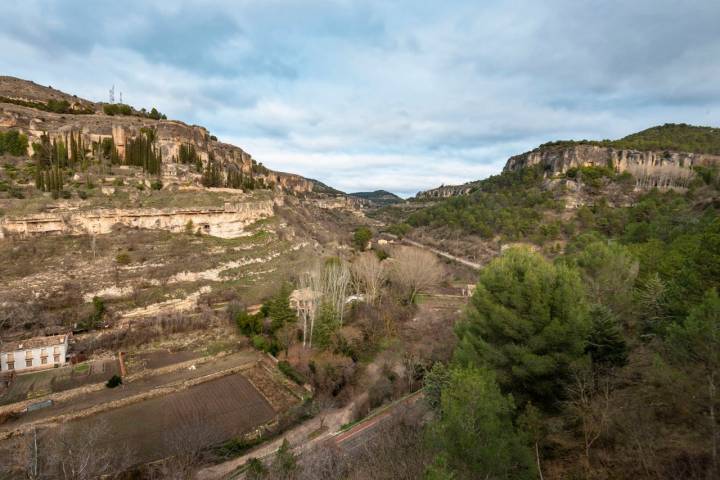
<point>285,462</point>
<point>528,321</point>
<point>474,431</point>
<point>606,344</point>
<point>369,275</point>
<point>695,346</point>
<point>414,270</point>
<point>361,237</point>
<point>279,309</point>
<point>609,271</point>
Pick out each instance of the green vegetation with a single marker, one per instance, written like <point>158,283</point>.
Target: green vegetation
<point>291,373</point>
<point>13,143</point>
<point>271,328</point>
<point>510,204</point>
<point>142,152</point>
<point>114,381</point>
<point>123,109</point>
<point>52,105</point>
<point>361,237</point>
<point>607,341</point>
<point>528,321</point>
<point>475,433</point>
<point>671,136</point>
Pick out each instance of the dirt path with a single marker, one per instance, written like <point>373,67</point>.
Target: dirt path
<point>467,263</point>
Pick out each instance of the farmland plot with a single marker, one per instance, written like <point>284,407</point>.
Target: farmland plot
<point>218,409</point>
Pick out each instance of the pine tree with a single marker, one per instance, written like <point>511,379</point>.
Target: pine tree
<point>528,321</point>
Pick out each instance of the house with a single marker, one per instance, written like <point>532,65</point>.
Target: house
<point>34,353</point>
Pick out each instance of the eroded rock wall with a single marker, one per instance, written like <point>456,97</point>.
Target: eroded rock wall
<point>560,160</point>
<point>227,222</point>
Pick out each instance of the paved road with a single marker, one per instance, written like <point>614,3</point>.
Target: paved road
<point>350,440</point>
<point>467,263</point>
<point>364,432</point>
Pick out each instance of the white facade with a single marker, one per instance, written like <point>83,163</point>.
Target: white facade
<point>34,353</point>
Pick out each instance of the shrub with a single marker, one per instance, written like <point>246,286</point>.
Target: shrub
<point>122,258</point>
<point>361,237</point>
<point>291,373</point>
<point>261,343</point>
<point>156,185</point>
<point>114,381</point>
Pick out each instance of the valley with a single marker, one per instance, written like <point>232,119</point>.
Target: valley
<point>228,321</point>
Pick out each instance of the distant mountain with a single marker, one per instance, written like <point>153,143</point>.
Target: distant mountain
<point>378,197</point>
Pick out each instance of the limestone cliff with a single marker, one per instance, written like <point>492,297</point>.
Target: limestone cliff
<point>556,160</point>
<point>227,222</point>
<point>96,126</point>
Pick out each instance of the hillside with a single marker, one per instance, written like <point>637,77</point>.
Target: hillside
<point>378,197</point>
<point>46,115</point>
<point>653,151</point>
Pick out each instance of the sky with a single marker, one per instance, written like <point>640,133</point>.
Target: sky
<point>396,95</point>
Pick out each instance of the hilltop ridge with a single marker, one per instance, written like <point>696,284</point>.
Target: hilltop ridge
<point>669,145</point>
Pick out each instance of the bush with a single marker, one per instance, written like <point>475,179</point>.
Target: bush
<point>122,258</point>
<point>82,194</point>
<point>114,381</point>
<point>362,237</point>
<point>291,373</point>
<point>261,343</point>
<point>156,185</point>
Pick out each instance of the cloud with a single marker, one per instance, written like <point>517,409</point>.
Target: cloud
<point>396,95</point>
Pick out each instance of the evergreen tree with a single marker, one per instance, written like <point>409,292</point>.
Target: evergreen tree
<point>606,344</point>
<point>695,347</point>
<point>474,431</point>
<point>279,309</point>
<point>528,321</point>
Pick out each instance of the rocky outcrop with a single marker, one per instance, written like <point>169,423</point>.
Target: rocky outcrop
<point>557,160</point>
<point>94,127</point>
<point>227,222</point>
<point>445,191</point>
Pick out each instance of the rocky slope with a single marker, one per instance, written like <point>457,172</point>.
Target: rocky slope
<point>96,126</point>
<point>556,160</point>
<point>656,156</point>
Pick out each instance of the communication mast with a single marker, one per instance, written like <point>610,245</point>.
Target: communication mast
<point>112,94</point>
<point>120,97</point>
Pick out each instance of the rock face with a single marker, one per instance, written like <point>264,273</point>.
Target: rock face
<point>227,222</point>
<point>446,191</point>
<point>560,160</point>
<point>95,127</point>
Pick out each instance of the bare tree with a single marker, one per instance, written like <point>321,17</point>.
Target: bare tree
<point>76,452</point>
<point>369,275</point>
<point>324,285</point>
<point>414,270</point>
<point>187,440</point>
<point>590,404</point>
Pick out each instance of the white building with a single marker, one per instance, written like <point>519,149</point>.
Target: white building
<point>34,353</point>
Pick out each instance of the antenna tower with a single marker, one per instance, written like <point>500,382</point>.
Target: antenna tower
<point>112,94</point>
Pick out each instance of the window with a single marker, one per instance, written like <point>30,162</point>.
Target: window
<point>43,360</point>
<point>28,362</point>
<point>11,365</point>
<point>56,350</point>
<point>11,357</point>
<point>56,358</point>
